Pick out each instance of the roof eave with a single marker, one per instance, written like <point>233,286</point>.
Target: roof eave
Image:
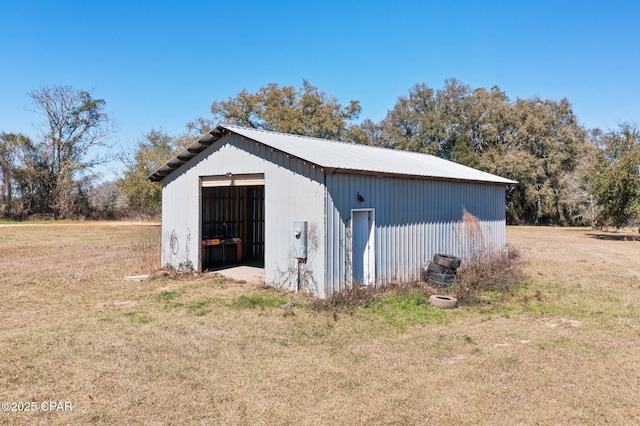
<point>192,150</point>
<point>334,170</point>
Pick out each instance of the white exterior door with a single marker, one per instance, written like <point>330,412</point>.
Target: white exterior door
<point>362,247</point>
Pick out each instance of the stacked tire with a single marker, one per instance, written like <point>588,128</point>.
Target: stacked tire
<point>441,271</point>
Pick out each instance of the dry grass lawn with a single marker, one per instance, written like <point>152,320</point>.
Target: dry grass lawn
<point>563,349</point>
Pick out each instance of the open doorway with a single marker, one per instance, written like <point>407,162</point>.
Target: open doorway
<point>232,222</point>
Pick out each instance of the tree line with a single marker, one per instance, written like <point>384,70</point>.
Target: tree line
<point>566,174</point>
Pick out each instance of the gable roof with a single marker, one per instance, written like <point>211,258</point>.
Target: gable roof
<point>339,156</point>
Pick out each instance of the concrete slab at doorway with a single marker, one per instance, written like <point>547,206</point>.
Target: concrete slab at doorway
<point>250,274</point>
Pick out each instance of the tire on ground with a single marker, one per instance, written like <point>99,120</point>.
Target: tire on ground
<point>446,302</point>
<point>446,278</point>
<point>434,267</point>
<point>451,262</point>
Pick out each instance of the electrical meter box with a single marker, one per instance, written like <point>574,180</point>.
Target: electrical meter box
<point>300,240</point>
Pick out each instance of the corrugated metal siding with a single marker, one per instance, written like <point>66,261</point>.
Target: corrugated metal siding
<point>294,191</point>
<point>414,220</point>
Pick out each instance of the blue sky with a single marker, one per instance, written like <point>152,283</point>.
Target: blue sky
<point>160,64</point>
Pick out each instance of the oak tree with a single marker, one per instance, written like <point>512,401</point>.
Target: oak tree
<point>302,111</point>
<point>533,141</point>
<point>616,175</point>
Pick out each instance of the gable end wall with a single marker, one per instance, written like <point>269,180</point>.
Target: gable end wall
<point>294,191</point>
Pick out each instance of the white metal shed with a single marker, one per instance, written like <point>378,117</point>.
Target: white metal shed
<point>321,215</point>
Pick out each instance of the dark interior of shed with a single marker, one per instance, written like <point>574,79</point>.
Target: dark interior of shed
<point>232,226</point>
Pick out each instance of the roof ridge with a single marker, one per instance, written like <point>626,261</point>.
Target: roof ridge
<point>225,125</point>
<point>284,134</point>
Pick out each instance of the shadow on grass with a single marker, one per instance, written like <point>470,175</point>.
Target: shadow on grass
<point>615,237</point>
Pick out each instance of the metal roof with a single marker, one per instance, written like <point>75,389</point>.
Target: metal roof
<point>340,157</point>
